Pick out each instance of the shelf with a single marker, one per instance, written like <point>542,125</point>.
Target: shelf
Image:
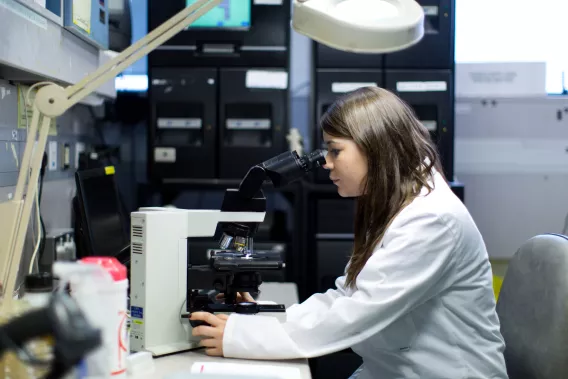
<point>209,185</point>
<point>35,47</point>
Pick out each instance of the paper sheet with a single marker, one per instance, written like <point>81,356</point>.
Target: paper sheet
<point>82,14</point>
<point>25,110</point>
<point>246,370</point>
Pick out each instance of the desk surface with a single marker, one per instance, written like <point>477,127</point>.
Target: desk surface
<point>177,363</point>
<point>282,293</point>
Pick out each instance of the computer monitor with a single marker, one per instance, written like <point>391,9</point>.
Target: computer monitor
<point>101,228</point>
<point>230,14</point>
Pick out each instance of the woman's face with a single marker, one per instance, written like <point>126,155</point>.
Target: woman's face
<point>347,165</point>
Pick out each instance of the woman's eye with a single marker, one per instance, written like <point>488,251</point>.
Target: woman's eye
<point>335,152</point>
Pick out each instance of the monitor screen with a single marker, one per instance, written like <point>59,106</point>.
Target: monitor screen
<point>231,14</point>
<point>103,220</point>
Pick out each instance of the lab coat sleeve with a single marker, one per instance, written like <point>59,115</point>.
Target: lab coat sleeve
<point>411,266</point>
<point>317,303</point>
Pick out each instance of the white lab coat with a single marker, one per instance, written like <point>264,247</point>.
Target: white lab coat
<point>423,307</point>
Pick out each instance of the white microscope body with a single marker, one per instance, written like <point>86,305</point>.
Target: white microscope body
<point>158,287</point>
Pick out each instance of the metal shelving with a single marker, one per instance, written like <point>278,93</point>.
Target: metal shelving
<point>34,47</point>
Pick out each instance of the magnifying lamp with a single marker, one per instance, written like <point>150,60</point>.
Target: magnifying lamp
<point>360,26</point>
<point>363,26</point>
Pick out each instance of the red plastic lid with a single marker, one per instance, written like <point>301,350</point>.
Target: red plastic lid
<point>111,264</point>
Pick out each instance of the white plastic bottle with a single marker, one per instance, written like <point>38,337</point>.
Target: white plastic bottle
<point>114,295</point>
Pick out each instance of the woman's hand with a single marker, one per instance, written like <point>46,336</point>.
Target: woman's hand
<point>212,333</point>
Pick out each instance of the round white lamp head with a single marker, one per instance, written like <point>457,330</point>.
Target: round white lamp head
<point>360,26</point>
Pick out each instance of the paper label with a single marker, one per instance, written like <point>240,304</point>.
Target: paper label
<point>430,10</point>
<point>165,154</point>
<point>248,124</point>
<point>249,370</point>
<point>348,87</point>
<point>179,123</point>
<point>82,14</point>
<point>25,109</point>
<point>433,86</point>
<point>267,79</point>
<point>267,2</point>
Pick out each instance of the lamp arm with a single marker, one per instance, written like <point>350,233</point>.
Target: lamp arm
<point>52,101</point>
<point>18,211</point>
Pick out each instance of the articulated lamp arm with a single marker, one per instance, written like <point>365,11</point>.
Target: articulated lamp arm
<point>50,102</point>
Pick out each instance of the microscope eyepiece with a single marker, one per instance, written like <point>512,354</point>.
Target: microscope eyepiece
<point>313,160</point>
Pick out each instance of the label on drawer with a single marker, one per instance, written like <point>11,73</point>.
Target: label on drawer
<point>164,154</point>
<point>348,87</point>
<point>266,79</point>
<point>434,86</point>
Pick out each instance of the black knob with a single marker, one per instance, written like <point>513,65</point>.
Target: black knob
<point>247,307</point>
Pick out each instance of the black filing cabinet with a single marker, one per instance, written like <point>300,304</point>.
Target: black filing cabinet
<point>332,83</point>
<point>252,119</point>
<point>183,131</point>
<point>430,93</point>
<point>436,49</point>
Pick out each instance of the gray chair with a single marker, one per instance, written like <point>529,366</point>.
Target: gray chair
<point>533,309</point>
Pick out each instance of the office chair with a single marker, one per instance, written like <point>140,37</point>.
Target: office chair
<point>533,309</point>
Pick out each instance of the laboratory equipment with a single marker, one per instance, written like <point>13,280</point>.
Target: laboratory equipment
<point>329,85</point>
<point>436,49</point>
<point>119,24</point>
<point>183,127</point>
<point>52,101</point>
<point>101,227</point>
<point>166,285</point>
<point>88,20</point>
<point>430,93</point>
<point>253,118</point>
<point>236,33</point>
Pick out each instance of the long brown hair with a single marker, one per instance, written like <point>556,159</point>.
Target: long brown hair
<point>400,156</point>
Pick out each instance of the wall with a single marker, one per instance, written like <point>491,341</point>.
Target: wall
<point>512,156</point>
<point>74,126</point>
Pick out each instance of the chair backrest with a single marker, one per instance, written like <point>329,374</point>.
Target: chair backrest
<point>533,309</point>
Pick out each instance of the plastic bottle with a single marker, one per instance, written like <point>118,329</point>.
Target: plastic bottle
<point>90,285</point>
<point>38,289</point>
<point>113,295</point>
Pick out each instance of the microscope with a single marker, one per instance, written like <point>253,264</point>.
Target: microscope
<point>166,285</point>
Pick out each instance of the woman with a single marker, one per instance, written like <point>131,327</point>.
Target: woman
<point>416,300</point>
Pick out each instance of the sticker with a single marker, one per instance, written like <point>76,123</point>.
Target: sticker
<point>267,79</point>
<point>136,312</point>
<point>109,170</point>
<point>422,86</point>
<point>348,87</point>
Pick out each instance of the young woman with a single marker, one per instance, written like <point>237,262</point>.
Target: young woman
<point>416,300</point>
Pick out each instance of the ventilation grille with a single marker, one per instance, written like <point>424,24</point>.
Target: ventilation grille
<point>137,247</point>
<point>137,231</point>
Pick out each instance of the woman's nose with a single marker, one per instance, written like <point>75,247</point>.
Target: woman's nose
<point>328,165</point>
